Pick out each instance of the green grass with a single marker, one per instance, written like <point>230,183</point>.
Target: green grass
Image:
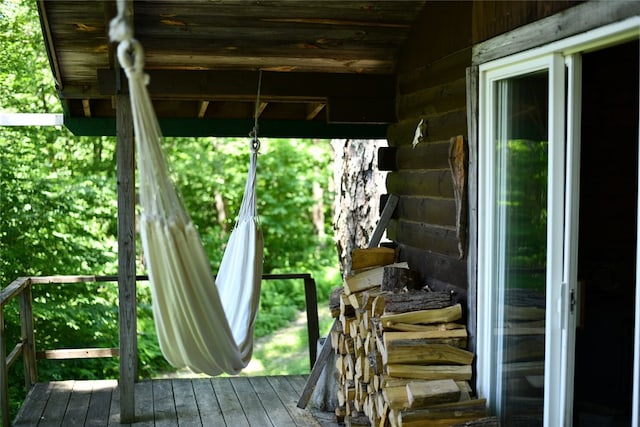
<point>286,351</point>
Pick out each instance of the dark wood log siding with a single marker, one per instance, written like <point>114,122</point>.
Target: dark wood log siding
<point>431,87</point>
<point>491,18</point>
<point>428,183</point>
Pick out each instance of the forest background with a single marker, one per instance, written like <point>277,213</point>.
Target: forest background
<point>58,216</point>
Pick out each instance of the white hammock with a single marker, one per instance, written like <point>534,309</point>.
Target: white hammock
<point>204,325</point>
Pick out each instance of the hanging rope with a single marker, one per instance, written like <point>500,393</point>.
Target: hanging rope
<point>255,142</point>
<point>201,324</point>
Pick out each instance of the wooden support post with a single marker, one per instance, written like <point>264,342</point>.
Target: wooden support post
<point>126,258</point>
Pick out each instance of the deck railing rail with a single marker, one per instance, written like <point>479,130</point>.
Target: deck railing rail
<point>21,289</point>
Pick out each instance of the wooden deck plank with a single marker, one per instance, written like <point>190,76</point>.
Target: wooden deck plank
<point>289,398</point>
<point>210,412</point>
<point>164,408</point>
<point>253,409</point>
<point>78,405</point>
<point>229,404</point>
<point>298,382</point>
<point>35,402</point>
<point>185,401</point>
<point>114,410</point>
<point>144,404</point>
<point>198,402</point>
<point>56,404</point>
<point>100,403</point>
<point>278,414</point>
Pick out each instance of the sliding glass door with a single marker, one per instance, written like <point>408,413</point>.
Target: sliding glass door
<point>521,155</point>
<point>530,154</point>
<point>521,237</point>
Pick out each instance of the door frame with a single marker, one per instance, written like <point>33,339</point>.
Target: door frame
<point>561,267</point>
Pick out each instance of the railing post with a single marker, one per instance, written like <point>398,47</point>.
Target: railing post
<point>313,328</point>
<point>28,339</point>
<point>4,374</point>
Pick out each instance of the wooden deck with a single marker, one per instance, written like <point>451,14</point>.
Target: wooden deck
<point>234,402</point>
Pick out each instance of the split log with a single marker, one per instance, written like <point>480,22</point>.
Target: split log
<point>412,352</point>
<point>441,315</point>
<point>437,372</point>
<point>377,306</point>
<point>355,300</point>
<point>408,327</point>
<point>364,300</point>
<point>334,301</point>
<point>414,301</point>
<point>454,337</point>
<point>465,390</point>
<point>444,414</point>
<point>395,382</point>
<point>346,309</point>
<point>371,257</point>
<point>359,419</point>
<point>397,279</point>
<point>482,422</point>
<point>396,397</point>
<point>367,279</point>
<point>375,361</point>
<point>424,393</point>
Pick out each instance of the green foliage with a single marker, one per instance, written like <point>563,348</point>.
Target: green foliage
<point>26,82</point>
<point>523,202</point>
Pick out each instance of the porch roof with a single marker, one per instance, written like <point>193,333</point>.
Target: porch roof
<point>328,66</point>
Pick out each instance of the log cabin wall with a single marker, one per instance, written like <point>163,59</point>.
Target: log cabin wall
<point>431,90</point>
<point>431,221</point>
<point>491,18</point>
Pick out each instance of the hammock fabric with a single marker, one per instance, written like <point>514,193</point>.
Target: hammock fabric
<point>202,323</point>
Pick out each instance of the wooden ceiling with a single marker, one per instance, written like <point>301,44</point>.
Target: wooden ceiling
<point>328,67</point>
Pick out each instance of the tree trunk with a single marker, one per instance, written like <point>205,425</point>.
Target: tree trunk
<point>359,185</point>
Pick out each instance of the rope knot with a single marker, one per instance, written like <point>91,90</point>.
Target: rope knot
<point>119,29</point>
<point>131,57</point>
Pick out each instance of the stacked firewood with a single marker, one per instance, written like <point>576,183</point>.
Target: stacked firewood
<point>401,357</point>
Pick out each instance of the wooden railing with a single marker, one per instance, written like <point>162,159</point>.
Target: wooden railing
<point>21,289</point>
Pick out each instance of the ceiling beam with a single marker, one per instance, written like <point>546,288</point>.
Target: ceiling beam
<point>86,107</point>
<point>235,128</point>
<point>314,109</point>
<point>210,84</point>
<point>260,108</point>
<point>202,108</point>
